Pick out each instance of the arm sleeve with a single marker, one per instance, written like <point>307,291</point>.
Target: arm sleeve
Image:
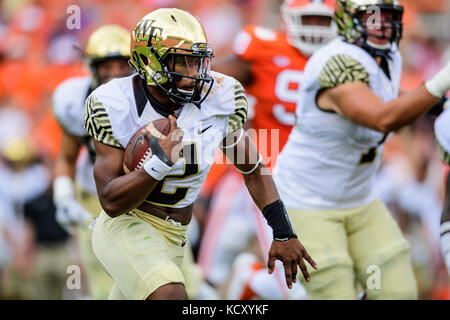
<point>97,123</point>
<point>239,117</point>
<point>342,69</point>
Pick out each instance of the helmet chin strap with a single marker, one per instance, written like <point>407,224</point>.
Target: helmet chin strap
<point>182,91</point>
<point>386,46</point>
<point>187,92</point>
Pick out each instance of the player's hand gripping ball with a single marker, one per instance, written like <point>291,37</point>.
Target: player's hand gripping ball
<point>138,150</point>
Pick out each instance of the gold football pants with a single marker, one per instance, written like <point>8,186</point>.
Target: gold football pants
<point>140,252</point>
<point>362,244</point>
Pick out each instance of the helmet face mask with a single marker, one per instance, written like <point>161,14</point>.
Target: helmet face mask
<point>390,29</point>
<point>189,66</point>
<point>170,51</point>
<point>111,67</point>
<point>352,18</point>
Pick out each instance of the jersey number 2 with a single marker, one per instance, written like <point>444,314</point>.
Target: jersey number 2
<point>370,155</point>
<point>164,198</point>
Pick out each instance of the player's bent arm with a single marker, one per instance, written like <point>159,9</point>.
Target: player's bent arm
<point>239,148</point>
<point>357,102</point>
<point>248,161</point>
<point>345,90</point>
<point>65,164</point>
<point>68,210</point>
<point>260,184</point>
<point>119,193</point>
<point>234,66</point>
<point>65,167</point>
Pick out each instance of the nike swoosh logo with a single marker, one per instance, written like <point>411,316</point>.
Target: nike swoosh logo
<point>154,170</point>
<point>205,129</point>
<point>140,139</point>
<point>183,243</point>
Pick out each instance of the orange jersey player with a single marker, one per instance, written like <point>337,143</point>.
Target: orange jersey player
<point>270,65</point>
<point>276,70</point>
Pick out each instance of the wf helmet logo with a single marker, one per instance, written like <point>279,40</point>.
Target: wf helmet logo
<point>146,27</point>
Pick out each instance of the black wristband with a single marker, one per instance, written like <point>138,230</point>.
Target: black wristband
<point>438,107</point>
<point>159,152</point>
<point>278,219</point>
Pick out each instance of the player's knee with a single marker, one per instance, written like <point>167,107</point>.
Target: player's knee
<point>332,283</point>
<point>170,291</point>
<point>403,288</point>
<point>411,294</point>
<point>394,280</point>
<point>392,294</point>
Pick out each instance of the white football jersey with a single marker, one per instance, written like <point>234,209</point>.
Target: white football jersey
<point>442,132</point>
<point>116,110</point>
<point>329,161</point>
<point>68,108</point>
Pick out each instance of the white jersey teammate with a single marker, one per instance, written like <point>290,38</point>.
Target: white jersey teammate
<point>349,105</point>
<point>75,195</point>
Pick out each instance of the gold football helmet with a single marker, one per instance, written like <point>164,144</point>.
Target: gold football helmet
<point>107,42</point>
<point>18,152</point>
<point>165,37</point>
<point>351,27</point>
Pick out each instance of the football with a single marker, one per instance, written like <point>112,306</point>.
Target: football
<point>138,149</point>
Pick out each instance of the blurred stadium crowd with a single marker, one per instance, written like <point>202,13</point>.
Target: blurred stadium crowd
<point>38,51</point>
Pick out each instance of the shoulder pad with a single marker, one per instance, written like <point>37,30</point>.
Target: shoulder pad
<point>341,69</point>
<point>227,98</point>
<point>68,104</point>
<point>221,99</point>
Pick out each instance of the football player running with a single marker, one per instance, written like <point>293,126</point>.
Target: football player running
<point>107,53</point>
<point>442,132</point>
<point>140,234</point>
<point>349,105</point>
<point>270,65</point>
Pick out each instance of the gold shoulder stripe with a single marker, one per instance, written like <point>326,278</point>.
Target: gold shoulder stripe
<point>97,123</point>
<point>342,69</point>
<point>238,119</point>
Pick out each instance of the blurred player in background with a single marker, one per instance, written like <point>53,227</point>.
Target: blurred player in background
<point>349,106</point>
<point>37,246</point>
<point>270,65</point>
<point>442,132</point>
<point>140,236</point>
<point>107,53</point>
